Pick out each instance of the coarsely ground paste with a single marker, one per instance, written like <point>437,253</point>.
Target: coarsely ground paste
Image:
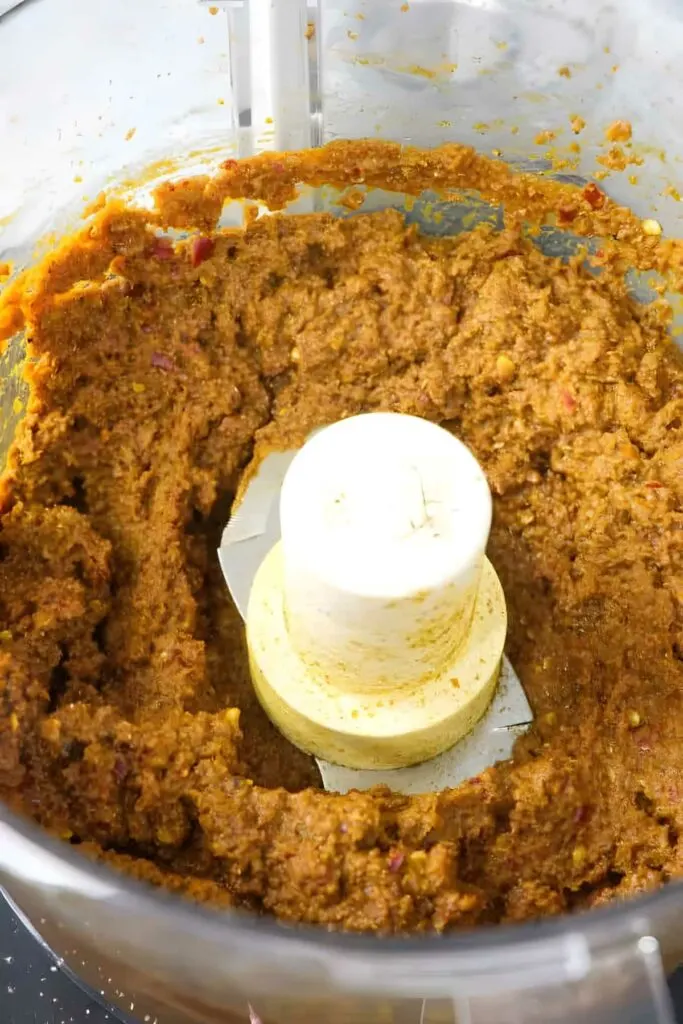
<point>127,720</point>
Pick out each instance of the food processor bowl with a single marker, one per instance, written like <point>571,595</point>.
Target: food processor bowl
<point>95,94</point>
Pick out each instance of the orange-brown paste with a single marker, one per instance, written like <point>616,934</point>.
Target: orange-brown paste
<point>127,720</point>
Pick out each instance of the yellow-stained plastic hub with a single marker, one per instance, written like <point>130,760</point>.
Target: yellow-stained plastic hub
<point>372,730</point>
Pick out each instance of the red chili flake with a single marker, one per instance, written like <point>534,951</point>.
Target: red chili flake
<point>162,248</point>
<point>229,165</point>
<point>279,167</point>
<point>201,249</point>
<point>580,814</point>
<point>568,400</point>
<point>396,862</point>
<point>600,253</point>
<point>593,195</point>
<point>162,362</point>
<point>653,485</point>
<point>566,214</point>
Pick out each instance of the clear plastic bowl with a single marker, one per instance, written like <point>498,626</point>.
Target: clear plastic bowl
<point>93,91</point>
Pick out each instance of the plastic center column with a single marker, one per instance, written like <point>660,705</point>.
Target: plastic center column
<point>376,626</point>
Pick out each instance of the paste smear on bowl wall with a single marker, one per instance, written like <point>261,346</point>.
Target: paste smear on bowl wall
<point>127,719</point>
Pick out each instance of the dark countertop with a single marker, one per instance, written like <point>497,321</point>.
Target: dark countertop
<point>33,990</point>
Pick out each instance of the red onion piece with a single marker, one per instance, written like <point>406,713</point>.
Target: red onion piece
<point>396,862</point>
<point>162,248</point>
<point>201,249</point>
<point>162,362</point>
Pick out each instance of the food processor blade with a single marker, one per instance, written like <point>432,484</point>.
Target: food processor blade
<point>253,530</point>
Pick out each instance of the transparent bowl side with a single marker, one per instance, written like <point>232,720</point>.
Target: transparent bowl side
<point>531,83</point>
<point>92,92</point>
